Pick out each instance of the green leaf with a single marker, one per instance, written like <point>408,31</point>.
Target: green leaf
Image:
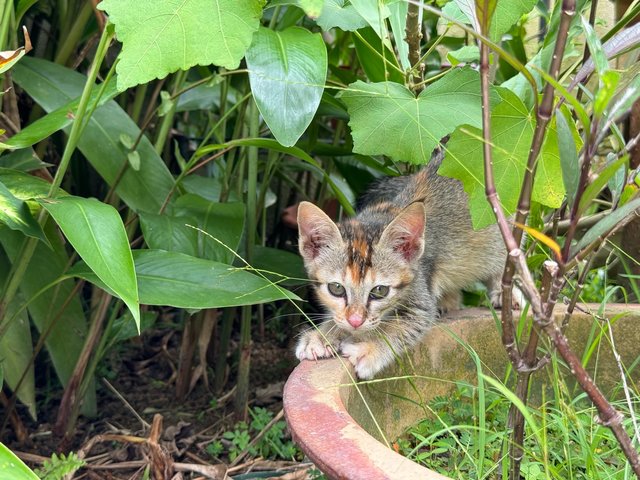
<point>374,13</point>
<point>293,151</point>
<point>568,156</point>
<point>167,232</point>
<point>53,86</point>
<point>25,186</point>
<point>223,221</point>
<point>466,54</point>
<point>340,14</point>
<point>398,21</point>
<point>9,58</point>
<point>24,160</point>
<point>11,467</point>
<point>21,9</point>
<point>16,215</point>
<point>287,71</point>
<point>504,14</point>
<point>16,348</point>
<point>376,58</point>
<point>599,183</point>
<point>96,232</point>
<point>207,187</point>
<point>313,8</point>
<point>604,226</point>
<point>595,47</point>
<point>281,263</point>
<point>484,14</point>
<point>181,281</point>
<point>53,306</point>
<point>386,118</point>
<point>162,36</point>
<point>512,128</point>
<point>58,119</point>
<point>123,328</point>
<point>608,82</point>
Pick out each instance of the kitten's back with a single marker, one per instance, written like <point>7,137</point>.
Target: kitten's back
<point>455,255</point>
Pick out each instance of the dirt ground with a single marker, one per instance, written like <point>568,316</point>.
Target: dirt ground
<point>141,429</point>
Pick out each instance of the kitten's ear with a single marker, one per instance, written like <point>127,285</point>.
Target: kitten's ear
<point>405,234</point>
<point>317,231</point>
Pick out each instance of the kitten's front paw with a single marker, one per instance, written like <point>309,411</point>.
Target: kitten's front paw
<point>364,357</point>
<point>312,346</point>
<point>518,300</point>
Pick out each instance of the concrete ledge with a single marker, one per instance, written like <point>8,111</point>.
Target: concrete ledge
<point>331,417</point>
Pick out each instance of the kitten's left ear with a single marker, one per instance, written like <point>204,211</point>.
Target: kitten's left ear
<point>405,234</point>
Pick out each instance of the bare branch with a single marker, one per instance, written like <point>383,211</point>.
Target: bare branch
<point>413,37</point>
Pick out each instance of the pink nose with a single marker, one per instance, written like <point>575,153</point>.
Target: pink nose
<point>355,320</point>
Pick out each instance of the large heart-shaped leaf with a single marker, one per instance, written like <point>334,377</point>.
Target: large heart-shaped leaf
<point>512,128</point>
<point>340,14</point>
<point>97,233</point>
<point>16,215</point>
<point>287,71</point>
<point>161,36</point>
<point>386,118</point>
<point>53,86</point>
<point>178,280</point>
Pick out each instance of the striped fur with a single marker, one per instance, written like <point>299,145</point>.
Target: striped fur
<point>411,234</point>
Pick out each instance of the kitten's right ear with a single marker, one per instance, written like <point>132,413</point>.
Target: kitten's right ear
<point>317,231</point>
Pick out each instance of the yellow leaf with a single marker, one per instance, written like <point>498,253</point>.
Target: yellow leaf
<point>541,237</point>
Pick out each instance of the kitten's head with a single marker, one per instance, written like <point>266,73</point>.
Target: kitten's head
<point>361,269</point>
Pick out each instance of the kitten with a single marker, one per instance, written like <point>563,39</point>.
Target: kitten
<point>383,274</point>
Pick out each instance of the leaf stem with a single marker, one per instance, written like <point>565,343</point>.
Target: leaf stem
<point>19,268</point>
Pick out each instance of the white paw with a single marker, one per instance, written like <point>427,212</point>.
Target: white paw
<point>518,299</point>
<point>312,346</point>
<point>364,358</point>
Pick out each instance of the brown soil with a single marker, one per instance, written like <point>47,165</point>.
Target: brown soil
<point>140,425</point>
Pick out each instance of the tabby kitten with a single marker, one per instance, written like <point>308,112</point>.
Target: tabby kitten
<point>384,274</point>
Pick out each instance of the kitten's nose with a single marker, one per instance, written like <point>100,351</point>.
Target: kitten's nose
<point>355,320</point>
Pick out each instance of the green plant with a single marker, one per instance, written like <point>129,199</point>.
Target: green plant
<point>12,467</point>
<point>239,438</point>
<point>261,437</point>
<point>570,444</point>
<point>259,109</point>
<point>58,466</point>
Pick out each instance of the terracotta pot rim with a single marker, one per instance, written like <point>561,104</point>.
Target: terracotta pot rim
<point>330,437</point>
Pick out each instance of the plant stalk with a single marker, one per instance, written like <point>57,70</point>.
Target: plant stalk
<point>608,415</point>
<point>528,362</point>
<point>242,393</point>
<point>413,37</point>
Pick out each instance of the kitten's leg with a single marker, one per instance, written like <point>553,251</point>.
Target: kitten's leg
<point>315,342</point>
<point>368,357</point>
<point>495,294</point>
<point>450,301</point>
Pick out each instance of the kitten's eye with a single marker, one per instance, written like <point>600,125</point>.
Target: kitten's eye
<point>336,289</point>
<point>378,292</point>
